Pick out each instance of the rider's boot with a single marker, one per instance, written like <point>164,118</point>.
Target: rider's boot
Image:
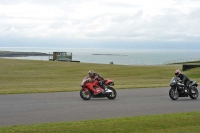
<point>186,91</point>
<point>106,89</point>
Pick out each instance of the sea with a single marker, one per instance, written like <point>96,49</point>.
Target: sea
<point>117,56</point>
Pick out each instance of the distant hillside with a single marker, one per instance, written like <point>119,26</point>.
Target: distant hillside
<point>21,54</point>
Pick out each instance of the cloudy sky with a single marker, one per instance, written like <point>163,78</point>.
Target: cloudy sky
<point>100,23</point>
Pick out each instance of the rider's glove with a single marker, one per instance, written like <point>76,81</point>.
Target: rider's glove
<point>101,82</point>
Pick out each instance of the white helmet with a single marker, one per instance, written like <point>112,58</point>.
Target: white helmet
<point>91,73</point>
<point>177,72</point>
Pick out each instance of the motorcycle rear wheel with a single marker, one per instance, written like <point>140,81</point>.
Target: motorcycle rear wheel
<point>85,95</point>
<point>113,94</point>
<point>173,93</point>
<point>194,95</point>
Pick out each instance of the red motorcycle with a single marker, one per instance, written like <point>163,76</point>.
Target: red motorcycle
<point>98,89</point>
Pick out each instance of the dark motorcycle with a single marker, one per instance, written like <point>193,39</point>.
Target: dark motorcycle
<point>178,89</point>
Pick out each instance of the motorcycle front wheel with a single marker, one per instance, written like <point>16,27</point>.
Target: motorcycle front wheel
<point>173,93</point>
<point>194,93</point>
<point>113,94</point>
<point>85,95</point>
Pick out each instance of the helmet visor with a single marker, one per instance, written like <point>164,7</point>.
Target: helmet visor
<point>176,73</point>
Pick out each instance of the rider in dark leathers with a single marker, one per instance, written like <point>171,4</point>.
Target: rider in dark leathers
<point>183,77</point>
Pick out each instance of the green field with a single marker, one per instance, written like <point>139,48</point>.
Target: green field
<point>170,123</point>
<point>27,76</point>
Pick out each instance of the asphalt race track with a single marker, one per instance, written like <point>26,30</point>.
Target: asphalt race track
<point>23,109</point>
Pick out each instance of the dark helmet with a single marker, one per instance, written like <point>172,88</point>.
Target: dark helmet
<point>177,72</point>
<point>91,73</point>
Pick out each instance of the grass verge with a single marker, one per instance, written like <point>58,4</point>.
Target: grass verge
<point>168,123</point>
<point>30,76</point>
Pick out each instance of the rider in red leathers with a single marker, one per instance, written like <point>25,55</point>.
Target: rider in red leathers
<point>91,77</point>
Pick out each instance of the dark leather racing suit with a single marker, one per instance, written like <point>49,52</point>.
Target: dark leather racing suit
<point>185,79</point>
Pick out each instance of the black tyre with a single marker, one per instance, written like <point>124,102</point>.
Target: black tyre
<point>194,93</point>
<point>85,95</point>
<point>113,94</point>
<point>173,93</point>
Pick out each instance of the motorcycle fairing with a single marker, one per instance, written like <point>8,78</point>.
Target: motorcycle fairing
<point>93,87</point>
<point>194,83</point>
<point>109,82</point>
